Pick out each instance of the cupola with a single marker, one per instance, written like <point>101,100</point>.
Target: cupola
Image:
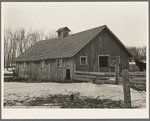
<point>63,32</point>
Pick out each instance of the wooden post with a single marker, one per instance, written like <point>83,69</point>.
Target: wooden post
<point>126,89</point>
<point>116,73</point>
<point>74,69</point>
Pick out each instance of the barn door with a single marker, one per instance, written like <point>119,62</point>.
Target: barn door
<point>112,62</point>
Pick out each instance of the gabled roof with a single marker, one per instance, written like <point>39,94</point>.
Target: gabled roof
<point>62,29</point>
<point>60,47</point>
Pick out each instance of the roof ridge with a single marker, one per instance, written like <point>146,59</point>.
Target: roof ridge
<point>71,34</point>
<point>87,30</point>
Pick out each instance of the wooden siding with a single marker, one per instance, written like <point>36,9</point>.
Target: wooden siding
<point>50,72</point>
<point>103,44</point>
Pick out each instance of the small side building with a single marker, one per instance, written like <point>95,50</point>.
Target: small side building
<point>93,50</point>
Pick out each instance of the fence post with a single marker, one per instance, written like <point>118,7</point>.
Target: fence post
<point>116,73</point>
<point>126,89</point>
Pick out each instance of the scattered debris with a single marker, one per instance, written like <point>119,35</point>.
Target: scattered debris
<point>64,101</point>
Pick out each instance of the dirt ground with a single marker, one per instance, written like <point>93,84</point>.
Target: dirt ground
<point>24,92</point>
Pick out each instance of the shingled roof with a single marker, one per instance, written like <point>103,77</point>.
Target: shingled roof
<point>60,47</point>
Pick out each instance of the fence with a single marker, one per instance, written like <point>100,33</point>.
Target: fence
<point>91,76</point>
<point>124,76</point>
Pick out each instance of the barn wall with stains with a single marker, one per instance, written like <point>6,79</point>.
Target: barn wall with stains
<point>103,44</point>
<point>50,72</point>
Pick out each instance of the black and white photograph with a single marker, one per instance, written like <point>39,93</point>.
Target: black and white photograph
<point>74,60</point>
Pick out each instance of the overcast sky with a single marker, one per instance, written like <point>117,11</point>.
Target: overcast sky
<point>128,20</point>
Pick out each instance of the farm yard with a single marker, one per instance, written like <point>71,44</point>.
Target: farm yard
<point>88,69</point>
<point>100,94</point>
<point>75,60</point>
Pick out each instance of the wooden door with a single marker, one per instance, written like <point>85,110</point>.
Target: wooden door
<point>112,61</point>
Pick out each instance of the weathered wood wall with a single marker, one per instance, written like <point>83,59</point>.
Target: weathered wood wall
<point>103,44</point>
<point>50,72</point>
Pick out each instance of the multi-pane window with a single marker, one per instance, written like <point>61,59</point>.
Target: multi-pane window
<point>59,62</point>
<point>83,60</point>
<point>42,64</point>
<point>103,61</point>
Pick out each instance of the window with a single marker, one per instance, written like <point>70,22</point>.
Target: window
<point>59,34</point>
<point>24,64</point>
<point>59,62</point>
<point>32,64</point>
<point>42,64</point>
<point>103,61</point>
<point>83,60</point>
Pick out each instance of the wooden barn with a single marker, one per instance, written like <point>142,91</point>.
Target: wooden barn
<point>93,50</point>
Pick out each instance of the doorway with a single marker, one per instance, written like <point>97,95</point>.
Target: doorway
<point>103,63</point>
<point>68,74</point>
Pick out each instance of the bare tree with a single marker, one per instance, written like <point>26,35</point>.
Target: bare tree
<point>26,40</point>
<point>138,52</point>
<point>21,40</point>
<point>6,54</point>
<point>143,53</point>
<point>15,43</point>
<point>9,48</point>
<point>49,35</point>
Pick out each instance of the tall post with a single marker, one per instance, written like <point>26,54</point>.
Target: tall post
<point>74,69</point>
<point>116,72</point>
<point>126,89</point>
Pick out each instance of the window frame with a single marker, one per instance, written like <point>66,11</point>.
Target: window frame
<point>58,62</point>
<point>86,63</point>
<point>42,64</point>
<point>107,60</point>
